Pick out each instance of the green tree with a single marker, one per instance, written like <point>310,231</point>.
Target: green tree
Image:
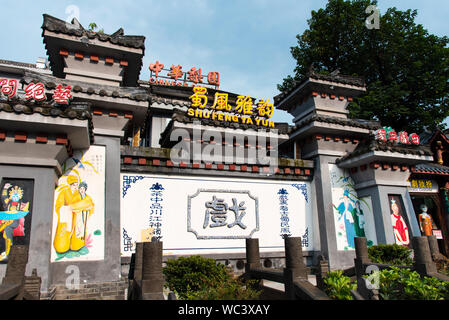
<point>406,69</point>
<point>93,26</point>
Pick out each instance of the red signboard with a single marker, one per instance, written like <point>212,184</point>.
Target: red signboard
<point>438,234</point>
<point>388,134</point>
<point>8,87</point>
<point>36,91</point>
<point>175,76</point>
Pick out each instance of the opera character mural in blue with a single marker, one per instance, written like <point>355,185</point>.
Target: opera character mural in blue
<point>352,214</point>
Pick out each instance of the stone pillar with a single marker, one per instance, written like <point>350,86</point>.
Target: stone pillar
<point>138,261</point>
<point>17,261</point>
<point>423,260</point>
<point>293,257</point>
<point>294,265</point>
<point>32,286</point>
<point>152,277</point>
<point>433,246</point>
<point>361,250</point>
<point>15,270</point>
<point>361,260</point>
<point>321,272</point>
<point>252,254</point>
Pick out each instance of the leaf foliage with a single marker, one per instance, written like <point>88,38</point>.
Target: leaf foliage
<point>406,69</point>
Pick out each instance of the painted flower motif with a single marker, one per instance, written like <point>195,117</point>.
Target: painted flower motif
<point>89,241</point>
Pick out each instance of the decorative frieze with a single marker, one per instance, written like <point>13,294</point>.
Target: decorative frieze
<point>37,138</point>
<point>142,161</point>
<point>382,166</point>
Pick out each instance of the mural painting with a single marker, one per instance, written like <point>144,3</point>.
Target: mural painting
<point>353,215</point>
<point>213,215</point>
<point>399,223</point>
<point>78,224</point>
<point>15,214</point>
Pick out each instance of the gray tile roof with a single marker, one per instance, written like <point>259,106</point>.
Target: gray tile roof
<point>76,29</point>
<point>181,116</point>
<point>376,145</point>
<point>26,107</point>
<point>332,77</point>
<point>75,110</point>
<point>432,168</point>
<point>358,123</point>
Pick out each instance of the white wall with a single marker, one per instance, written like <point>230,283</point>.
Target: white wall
<point>181,206</point>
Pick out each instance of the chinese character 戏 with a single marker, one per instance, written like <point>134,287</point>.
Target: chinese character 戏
<point>217,211</point>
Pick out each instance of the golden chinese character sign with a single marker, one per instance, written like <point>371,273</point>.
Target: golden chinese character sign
<point>244,111</point>
<point>423,185</point>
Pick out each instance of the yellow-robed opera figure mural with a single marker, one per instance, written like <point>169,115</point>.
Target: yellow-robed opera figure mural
<point>73,207</point>
<point>79,208</point>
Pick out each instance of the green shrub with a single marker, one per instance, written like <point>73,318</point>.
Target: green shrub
<point>192,274</point>
<point>390,254</point>
<point>198,278</point>
<point>232,289</point>
<point>338,286</point>
<point>405,284</point>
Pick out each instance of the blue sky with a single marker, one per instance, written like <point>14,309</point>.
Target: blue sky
<point>247,41</point>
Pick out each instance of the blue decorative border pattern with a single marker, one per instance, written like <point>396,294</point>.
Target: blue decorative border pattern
<point>303,189</point>
<point>127,181</point>
<point>305,238</point>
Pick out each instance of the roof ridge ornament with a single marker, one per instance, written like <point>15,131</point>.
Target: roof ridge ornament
<point>76,23</point>
<point>119,32</point>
